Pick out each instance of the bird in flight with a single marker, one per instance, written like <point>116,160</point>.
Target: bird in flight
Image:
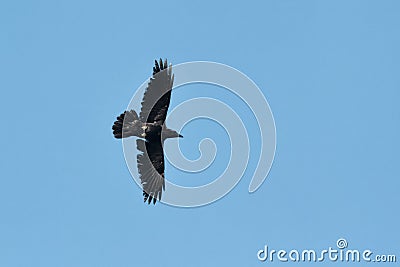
<point>150,127</point>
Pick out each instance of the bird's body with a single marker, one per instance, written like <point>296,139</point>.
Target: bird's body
<point>150,126</point>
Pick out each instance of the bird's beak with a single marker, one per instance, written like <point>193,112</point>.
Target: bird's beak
<point>180,136</point>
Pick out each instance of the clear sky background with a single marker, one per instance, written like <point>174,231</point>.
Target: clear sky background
<point>329,70</point>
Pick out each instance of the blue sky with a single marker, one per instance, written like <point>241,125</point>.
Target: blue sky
<point>329,70</point>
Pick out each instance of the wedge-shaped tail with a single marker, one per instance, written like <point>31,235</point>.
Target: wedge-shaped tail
<point>127,124</point>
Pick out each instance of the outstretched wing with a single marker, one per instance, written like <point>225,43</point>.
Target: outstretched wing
<point>151,169</point>
<point>157,96</point>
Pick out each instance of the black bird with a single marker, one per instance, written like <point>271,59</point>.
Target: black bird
<point>150,126</point>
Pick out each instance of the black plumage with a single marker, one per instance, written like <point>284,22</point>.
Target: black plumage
<point>150,125</point>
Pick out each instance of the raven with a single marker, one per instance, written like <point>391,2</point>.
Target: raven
<point>150,126</point>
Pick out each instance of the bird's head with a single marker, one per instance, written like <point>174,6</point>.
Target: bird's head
<point>168,133</point>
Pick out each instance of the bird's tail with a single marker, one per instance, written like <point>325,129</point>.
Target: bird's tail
<point>125,125</point>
